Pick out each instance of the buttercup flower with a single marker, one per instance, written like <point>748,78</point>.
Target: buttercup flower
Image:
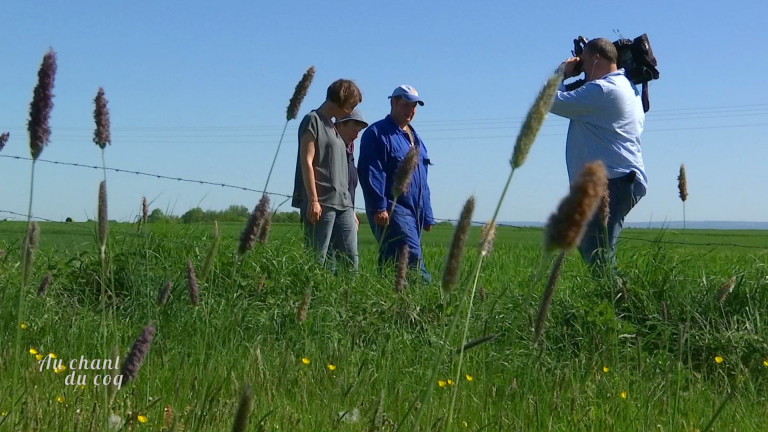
<point>39,357</point>
<point>32,351</point>
<point>765,362</point>
<point>441,383</point>
<point>605,369</point>
<point>718,359</point>
<point>305,360</point>
<point>60,369</point>
<point>468,377</point>
<point>450,382</point>
<point>23,326</point>
<point>331,367</point>
<point>623,394</point>
<point>141,418</point>
<point>59,399</point>
<point>52,355</point>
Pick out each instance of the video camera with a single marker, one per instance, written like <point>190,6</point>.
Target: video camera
<point>635,56</point>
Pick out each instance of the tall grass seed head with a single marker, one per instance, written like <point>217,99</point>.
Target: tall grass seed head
<point>243,410</point>
<point>138,352</point>
<point>4,139</point>
<point>44,284</point>
<point>453,262</point>
<point>404,171</point>
<point>299,93</point>
<point>194,293</point>
<point>725,289</point>
<point>265,226</point>
<point>253,226</point>
<point>301,312</point>
<point>41,106</point>
<point>566,226</point>
<point>402,268</point>
<point>101,136</point>
<point>534,119</point>
<point>682,184</point>
<point>165,291</point>
<point>488,236</point>
<point>144,209</point>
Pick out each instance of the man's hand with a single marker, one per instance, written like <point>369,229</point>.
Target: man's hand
<point>381,218</point>
<point>314,212</point>
<point>572,67</point>
<point>428,228</point>
<point>357,222</point>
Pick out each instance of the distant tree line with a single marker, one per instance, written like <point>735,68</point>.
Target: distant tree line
<point>233,213</point>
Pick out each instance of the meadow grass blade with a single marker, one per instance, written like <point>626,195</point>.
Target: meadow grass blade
<point>103,224</point>
<point>208,263</point>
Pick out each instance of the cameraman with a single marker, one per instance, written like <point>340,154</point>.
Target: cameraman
<point>607,119</point>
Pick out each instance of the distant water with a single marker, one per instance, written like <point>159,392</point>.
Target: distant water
<point>718,225</point>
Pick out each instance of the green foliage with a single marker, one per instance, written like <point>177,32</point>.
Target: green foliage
<point>382,345</point>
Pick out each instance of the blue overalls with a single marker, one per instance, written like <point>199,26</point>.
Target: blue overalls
<point>383,147</point>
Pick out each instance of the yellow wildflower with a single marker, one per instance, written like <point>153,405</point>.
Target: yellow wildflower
<point>305,360</point>
<point>60,369</point>
<point>59,399</point>
<point>52,355</point>
<point>22,325</point>
<point>468,377</point>
<point>4,413</point>
<point>141,418</point>
<point>623,394</point>
<point>32,351</point>
<point>605,369</point>
<point>331,367</point>
<point>718,359</point>
<point>765,362</point>
<point>450,382</point>
<point>441,383</point>
<point>38,357</point>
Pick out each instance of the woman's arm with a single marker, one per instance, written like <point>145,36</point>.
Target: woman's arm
<point>306,158</point>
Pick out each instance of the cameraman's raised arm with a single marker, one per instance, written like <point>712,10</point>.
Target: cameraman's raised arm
<point>579,103</point>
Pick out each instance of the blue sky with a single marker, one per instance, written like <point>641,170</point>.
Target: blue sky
<point>199,90</point>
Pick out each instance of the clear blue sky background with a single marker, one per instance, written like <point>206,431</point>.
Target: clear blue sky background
<point>198,89</point>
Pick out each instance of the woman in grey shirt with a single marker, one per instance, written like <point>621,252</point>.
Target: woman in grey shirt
<point>321,188</point>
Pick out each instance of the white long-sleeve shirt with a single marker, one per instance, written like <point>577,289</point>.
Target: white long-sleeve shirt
<point>607,120</point>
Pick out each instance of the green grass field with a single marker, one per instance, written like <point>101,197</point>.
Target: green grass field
<point>641,356</point>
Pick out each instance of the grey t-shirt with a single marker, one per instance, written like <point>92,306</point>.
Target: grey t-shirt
<point>330,165</point>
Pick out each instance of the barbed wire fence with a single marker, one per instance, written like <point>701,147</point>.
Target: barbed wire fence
<point>288,196</point>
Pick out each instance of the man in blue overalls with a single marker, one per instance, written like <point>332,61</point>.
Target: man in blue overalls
<point>382,148</point>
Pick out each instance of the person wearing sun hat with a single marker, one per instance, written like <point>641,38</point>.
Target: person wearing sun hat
<point>383,146</point>
<point>349,127</point>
